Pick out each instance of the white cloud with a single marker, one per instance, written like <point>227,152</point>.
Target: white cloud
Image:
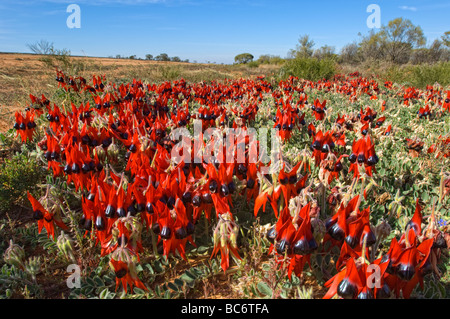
<point>408,8</point>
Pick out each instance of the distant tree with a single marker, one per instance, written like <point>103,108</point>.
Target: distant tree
<point>446,39</point>
<point>118,56</point>
<point>435,53</point>
<point>175,59</point>
<point>304,48</point>
<point>270,59</point>
<point>372,46</point>
<point>419,56</point>
<point>325,52</point>
<point>401,37</point>
<point>149,57</point>
<point>264,58</point>
<point>350,54</point>
<point>42,47</point>
<point>243,58</point>
<point>162,57</point>
<point>186,61</point>
<point>438,51</point>
<point>132,57</point>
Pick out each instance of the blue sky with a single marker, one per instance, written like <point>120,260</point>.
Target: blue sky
<point>203,30</point>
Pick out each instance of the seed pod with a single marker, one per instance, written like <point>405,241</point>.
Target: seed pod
<point>383,229</point>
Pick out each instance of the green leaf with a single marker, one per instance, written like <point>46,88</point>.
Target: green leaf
<point>429,293</point>
<point>165,261</point>
<point>295,280</point>
<point>202,249</point>
<point>158,267</point>
<point>167,294</point>
<point>172,286</point>
<point>139,291</point>
<point>98,281</point>
<point>264,289</point>
<point>178,282</point>
<point>108,280</point>
<point>87,290</point>
<point>265,267</point>
<point>253,289</point>
<point>104,293</point>
<point>150,269</point>
<point>90,282</point>
<point>158,291</point>
<point>442,291</point>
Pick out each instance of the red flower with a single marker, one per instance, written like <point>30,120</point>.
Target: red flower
<point>125,276</point>
<point>363,153</point>
<point>25,125</point>
<point>319,109</point>
<point>446,104</point>
<point>44,218</point>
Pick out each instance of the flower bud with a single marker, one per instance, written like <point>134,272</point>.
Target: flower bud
<point>113,151</point>
<point>319,229</point>
<point>100,152</point>
<point>33,266</point>
<point>223,240</point>
<point>216,237</point>
<point>233,240</point>
<point>14,255</point>
<point>64,244</point>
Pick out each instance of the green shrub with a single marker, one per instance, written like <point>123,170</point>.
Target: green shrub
<point>428,74</point>
<point>309,68</point>
<point>170,73</point>
<point>17,175</point>
<point>253,64</point>
<point>419,75</point>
